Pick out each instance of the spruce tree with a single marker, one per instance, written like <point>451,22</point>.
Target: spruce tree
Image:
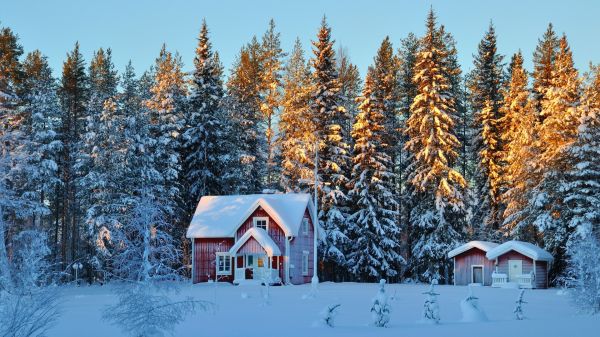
<point>166,106</point>
<point>41,105</point>
<point>373,230</point>
<point>296,136</point>
<point>328,118</point>
<point>518,120</point>
<point>485,99</point>
<point>543,64</point>
<point>350,89</point>
<point>580,189</point>
<point>438,216</point>
<point>242,105</point>
<point>206,152</point>
<point>557,131</point>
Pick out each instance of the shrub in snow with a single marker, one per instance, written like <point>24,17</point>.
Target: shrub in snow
<point>583,273</point>
<point>519,308</point>
<point>471,312</point>
<point>380,311</point>
<point>145,255</point>
<point>431,309</point>
<point>328,315</point>
<point>28,307</point>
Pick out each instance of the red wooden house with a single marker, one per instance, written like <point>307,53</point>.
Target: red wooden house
<point>511,264</point>
<point>263,237</point>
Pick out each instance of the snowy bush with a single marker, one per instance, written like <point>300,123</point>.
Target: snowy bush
<point>519,308</point>
<point>145,310</point>
<point>471,312</point>
<point>328,315</point>
<point>583,274</point>
<point>27,307</point>
<point>380,310</point>
<point>431,309</point>
<point>146,255</point>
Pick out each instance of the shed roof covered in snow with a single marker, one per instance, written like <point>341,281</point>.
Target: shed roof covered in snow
<point>262,237</point>
<point>486,246</point>
<point>528,249</point>
<point>220,216</point>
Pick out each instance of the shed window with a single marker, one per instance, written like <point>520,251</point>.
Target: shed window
<point>261,222</point>
<point>223,264</point>
<point>305,263</point>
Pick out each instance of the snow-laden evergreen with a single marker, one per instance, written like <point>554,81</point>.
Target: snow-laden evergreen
<point>243,109</point>
<point>296,136</point>
<point>485,96</point>
<point>519,306</point>
<point>208,156</point>
<point>167,121</point>
<point>431,308</point>
<point>328,118</point>
<point>374,249</point>
<point>439,190</point>
<point>380,309</point>
<point>560,112</point>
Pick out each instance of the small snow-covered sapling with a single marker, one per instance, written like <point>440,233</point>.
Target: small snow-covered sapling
<point>519,308</point>
<point>328,315</point>
<point>380,310</point>
<point>470,308</point>
<point>431,309</point>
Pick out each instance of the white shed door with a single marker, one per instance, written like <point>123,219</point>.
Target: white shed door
<point>515,269</point>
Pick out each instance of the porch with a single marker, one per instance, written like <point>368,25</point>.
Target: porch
<point>257,267</point>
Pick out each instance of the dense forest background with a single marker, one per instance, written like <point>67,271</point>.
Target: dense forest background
<point>414,158</point>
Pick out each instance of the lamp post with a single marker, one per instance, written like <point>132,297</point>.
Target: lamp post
<point>315,278</point>
<point>77,266</point>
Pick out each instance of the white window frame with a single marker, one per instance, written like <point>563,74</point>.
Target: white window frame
<point>261,218</point>
<point>305,225</point>
<point>217,266</point>
<point>482,273</point>
<point>305,255</point>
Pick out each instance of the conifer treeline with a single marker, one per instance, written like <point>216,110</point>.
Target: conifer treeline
<point>413,161</point>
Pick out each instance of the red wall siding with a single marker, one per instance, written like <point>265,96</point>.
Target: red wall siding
<point>274,229</point>
<point>301,243</point>
<point>204,258</point>
<point>463,271</point>
<point>540,266</point>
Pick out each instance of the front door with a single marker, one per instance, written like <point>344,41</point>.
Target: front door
<point>478,274</point>
<point>515,269</point>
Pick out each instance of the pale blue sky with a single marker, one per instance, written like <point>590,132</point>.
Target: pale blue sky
<point>136,29</point>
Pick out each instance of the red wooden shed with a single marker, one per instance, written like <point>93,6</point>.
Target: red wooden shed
<point>261,237</point>
<point>470,264</point>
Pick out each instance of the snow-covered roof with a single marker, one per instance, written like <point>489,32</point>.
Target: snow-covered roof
<point>263,239</point>
<point>221,216</point>
<point>525,248</point>
<point>483,245</point>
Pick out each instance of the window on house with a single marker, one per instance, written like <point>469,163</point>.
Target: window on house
<point>223,264</point>
<point>261,223</point>
<point>305,263</point>
<point>305,226</point>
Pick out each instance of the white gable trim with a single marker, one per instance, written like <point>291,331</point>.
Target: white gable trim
<point>528,249</point>
<point>261,236</point>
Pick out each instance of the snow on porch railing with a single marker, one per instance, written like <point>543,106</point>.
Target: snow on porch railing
<point>499,279</point>
<point>525,280</point>
<point>240,273</point>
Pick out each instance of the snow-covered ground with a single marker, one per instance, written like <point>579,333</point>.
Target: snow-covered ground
<point>241,312</point>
